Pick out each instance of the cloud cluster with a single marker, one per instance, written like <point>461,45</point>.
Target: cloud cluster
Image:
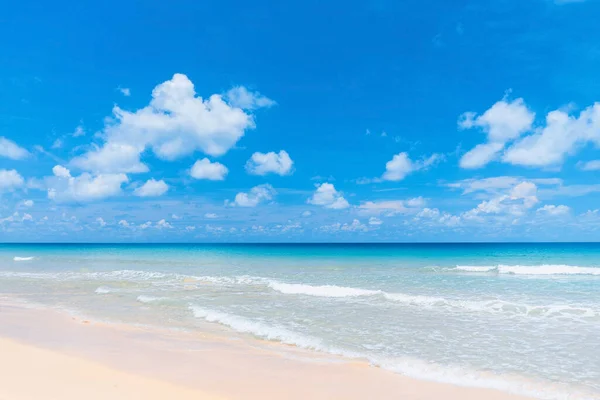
<point>176,123</point>
<point>547,145</point>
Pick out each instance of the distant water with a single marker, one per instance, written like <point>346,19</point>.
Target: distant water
<point>524,318</point>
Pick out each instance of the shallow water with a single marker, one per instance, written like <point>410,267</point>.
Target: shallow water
<point>519,317</point>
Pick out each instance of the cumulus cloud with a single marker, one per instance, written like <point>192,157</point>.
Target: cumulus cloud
<point>63,187</point>
<point>553,210</point>
<point>204,169</point>
<point>10,180</point>
<point>27,203</point>
<point>271,162</point>
<point>254,197</point>
<point>210,216</point>
<point>10,149</point>
<point>325,195</point>
<point>100,221</point>
<point>503,122</point>
<point>176,123</point>
<point>401,165</point>
<point>152,188</point>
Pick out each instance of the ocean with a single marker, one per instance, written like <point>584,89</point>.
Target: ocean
<point>523,318</point>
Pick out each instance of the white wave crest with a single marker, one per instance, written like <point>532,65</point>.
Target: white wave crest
<point>23,258</point>
<point>149,299</point>
<point>104,290</point>
<point>258,329</point>
<point>320,291</point>
<point>546,269</point>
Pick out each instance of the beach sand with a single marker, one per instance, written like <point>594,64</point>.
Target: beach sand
<point>45,354</point>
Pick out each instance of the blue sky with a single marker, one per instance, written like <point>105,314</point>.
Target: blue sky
<point>300,121</point>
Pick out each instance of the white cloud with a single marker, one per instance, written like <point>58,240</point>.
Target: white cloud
<point>429,213</point>
<point>516,202</point>
<point>27,203</point>
<point>210,216</point>
<point>401,165</point>
<point>124,223</point>
<point>375,221</point>
<point>204,169</point>
<point>176,123</point>
<point>480,155</point>
<point>190,228</point>
<point>392,207</point>
<point>562,135</point>
<point>63,187</point>
<point>328,197</point>
<point>16,217</point>
<point>551,209</point>
<point>79,131</point>
<point>593,165</point>
<point>152,188</point>
<point>101,222</point>
<point>112,158</point>
<point>57,144</point>
<point>271,162</point>
<point>240,97</point>
<point>10,149</point>
<point>163,224</point>
<point>498,184</point>
<point>146,225</point>
<point>10,180</point>
<point>125,91</point>
<point>503,122</point>
<point>257,195</point>
<point>355,226</point>
<point>306,214</point>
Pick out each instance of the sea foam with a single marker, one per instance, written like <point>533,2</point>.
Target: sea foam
<point>495,306</point>
<point>23,258</point>
<point>547,269</point>
<point>406,366</point>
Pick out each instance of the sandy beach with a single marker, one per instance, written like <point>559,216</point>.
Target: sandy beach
<point>46,354</point>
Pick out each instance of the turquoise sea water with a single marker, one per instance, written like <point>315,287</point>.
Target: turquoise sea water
<point>524,318</point>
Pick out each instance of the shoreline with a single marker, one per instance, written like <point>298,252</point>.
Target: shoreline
<point>200,365</point>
